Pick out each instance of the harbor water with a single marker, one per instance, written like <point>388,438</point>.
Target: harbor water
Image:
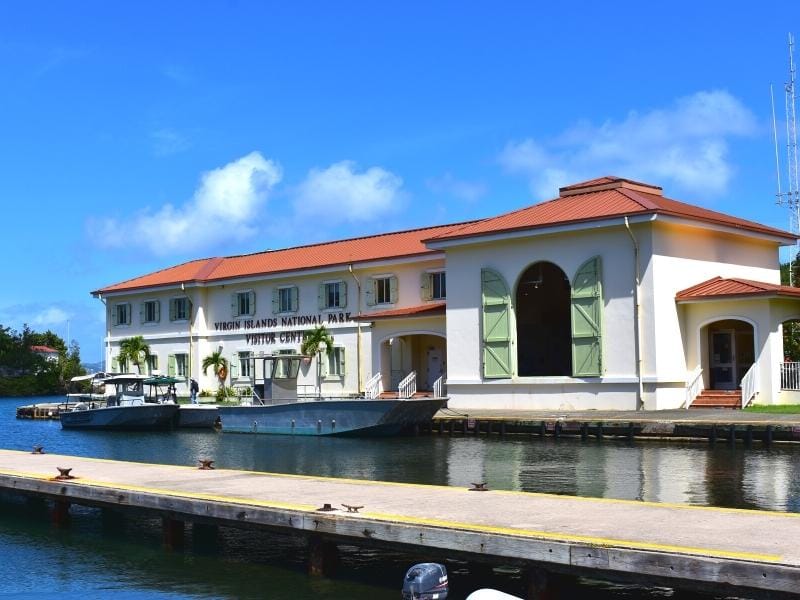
<point>98,556</point>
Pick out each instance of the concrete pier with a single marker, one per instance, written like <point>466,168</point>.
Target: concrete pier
<point>716,549</point>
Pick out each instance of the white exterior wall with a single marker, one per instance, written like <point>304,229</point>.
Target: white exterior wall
<point>211,307</point>
<point>511,258</point>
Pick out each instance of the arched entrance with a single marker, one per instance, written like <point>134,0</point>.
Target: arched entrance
<point>729,351</point>
<point>543,322</point>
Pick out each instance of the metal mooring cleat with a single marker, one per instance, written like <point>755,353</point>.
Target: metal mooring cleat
<point>478,487</point>
<point>352,509</point>
<point>38,450</point>
<point>327,508</point>
<point>63,473</point>
<point>206,464</point>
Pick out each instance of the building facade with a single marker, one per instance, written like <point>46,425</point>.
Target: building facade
<point>610,296</point>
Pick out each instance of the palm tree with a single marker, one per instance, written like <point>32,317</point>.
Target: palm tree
<point>218,364</point>
<point>312,344</point>
<point>134,349</point>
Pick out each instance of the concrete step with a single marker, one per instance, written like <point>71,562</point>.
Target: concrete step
<point>730,399</point>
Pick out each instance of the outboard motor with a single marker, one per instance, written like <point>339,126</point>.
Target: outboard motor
<point>425,581</point>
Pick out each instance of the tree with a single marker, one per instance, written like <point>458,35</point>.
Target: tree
<point>134,349</point>
<point>219,366</point>
<point>312,344</point>
<point>791,329</point>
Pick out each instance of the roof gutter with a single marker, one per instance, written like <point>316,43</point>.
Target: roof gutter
<point>636,317</point>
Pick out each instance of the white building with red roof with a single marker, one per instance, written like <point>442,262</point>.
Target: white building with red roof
<point>610,296</point>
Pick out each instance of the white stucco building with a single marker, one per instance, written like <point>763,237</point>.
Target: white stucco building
<point>610,296</point>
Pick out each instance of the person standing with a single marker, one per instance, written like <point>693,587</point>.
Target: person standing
<point>194,388</point>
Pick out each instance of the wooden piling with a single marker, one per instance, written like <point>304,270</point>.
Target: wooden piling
<point>323,557</point>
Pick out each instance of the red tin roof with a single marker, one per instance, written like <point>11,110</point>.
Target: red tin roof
<point>425,310</point>
<point>44,349</point>
<point>719,287</point>
<point>357,250</point>
<point>597,199</point>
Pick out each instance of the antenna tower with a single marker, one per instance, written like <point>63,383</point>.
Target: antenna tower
<point>790,198</point>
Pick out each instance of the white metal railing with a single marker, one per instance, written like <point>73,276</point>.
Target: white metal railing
<point>408,387</point>
<point>438,387</point>
<point>790,376</point>
<point>749,385</point>
<point>694,386</point>
<point>374,386</point>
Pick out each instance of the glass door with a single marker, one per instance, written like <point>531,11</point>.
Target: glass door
<point>723,360</point>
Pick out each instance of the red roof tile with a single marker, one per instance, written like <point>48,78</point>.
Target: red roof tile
<point>357,250</point>
<point>719,287</point>
<point>44,349</point>
<point>597,199</point>
<point>424,310</point>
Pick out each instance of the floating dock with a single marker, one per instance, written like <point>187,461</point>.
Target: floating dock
<point>716,549</point>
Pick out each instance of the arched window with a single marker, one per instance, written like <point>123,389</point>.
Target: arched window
<point>544,334</point>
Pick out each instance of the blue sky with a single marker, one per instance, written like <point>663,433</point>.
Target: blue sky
<point>138,136</point>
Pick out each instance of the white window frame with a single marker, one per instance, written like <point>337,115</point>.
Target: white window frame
<point>338,294</point>
<point>152,363</point>
<point>287,290</point>
<point>174,301</point>
<point>339,352</point>
<point>156,316</point>
<point>178,363</point>
<point>128,313</point>
<point>386,283</point>
<point>244,295</point>
<point>433,275</point>
<point>245,364</point>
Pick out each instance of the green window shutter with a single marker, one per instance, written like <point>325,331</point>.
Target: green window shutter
<point>234,362</point>
<point>294,294</point>
<point>587,309</point>
<point>158,311</point>
<point>393,289</point>
<point>141,312</point>
<point>188,309</point>
<point>322,297</point>
<point>341,360</point>
<point>343,294</point>
<point>173,309</point>
<point>114,315</point>
<point>172,365</point>
<point>252,302</point>
<point>496,305</point>
<point>234,305</point>
<point>114,364</point>
<point>426,286</point>
<point>275,306</point>
<point>369,293</point>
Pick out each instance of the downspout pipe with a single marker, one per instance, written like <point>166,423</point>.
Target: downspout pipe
<point>636,317</point>
<point>358,325</point>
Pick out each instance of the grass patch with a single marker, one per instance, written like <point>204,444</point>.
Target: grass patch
<point>779,409</point>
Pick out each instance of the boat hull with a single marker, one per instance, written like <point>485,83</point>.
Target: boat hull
<point>380,417</point>
<point>143,416</point>
<point>197,416</point>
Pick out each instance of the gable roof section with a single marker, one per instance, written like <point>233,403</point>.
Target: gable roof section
<point>719,288</point>
<point>385,246</point>
<point>598,199</point>
<point>424,310</point>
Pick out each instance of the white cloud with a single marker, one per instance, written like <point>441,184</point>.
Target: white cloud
<point>344,195</point>
<point>469,191</point>
<point>51,315</point>
<point>223,207</point>
<point>685,144</point>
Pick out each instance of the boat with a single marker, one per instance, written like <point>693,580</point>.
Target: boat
<point>127,408</point>
<point>190,416</point>
<point>278,409</point>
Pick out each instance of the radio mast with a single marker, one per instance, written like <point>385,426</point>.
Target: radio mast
<point>790,198</point>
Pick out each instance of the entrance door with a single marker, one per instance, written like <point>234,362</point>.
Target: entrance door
<point>435,368</point>
<point>723,360</point>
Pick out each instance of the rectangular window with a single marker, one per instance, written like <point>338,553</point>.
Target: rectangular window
<point>179,309</point>
<point>333,294</point>
<point>438,286</point>
<point>336,362</point>
<point>152,363</point>
<point>181,365</point>
<point>150,312</point>
<point>122,314</point>
<point>245,365</point>
<point>383,290</point>
<point>243,303</point>
<point>285,300</point>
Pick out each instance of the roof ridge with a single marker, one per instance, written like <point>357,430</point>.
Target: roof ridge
<point>637,197</point>
<point>353,239</point>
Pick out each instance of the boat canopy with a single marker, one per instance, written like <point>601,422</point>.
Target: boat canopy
<point>89,377</point>
<point>162,380</point>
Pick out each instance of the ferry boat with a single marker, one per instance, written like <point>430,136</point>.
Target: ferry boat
<point>279,410</point>
<point>127,408</point>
